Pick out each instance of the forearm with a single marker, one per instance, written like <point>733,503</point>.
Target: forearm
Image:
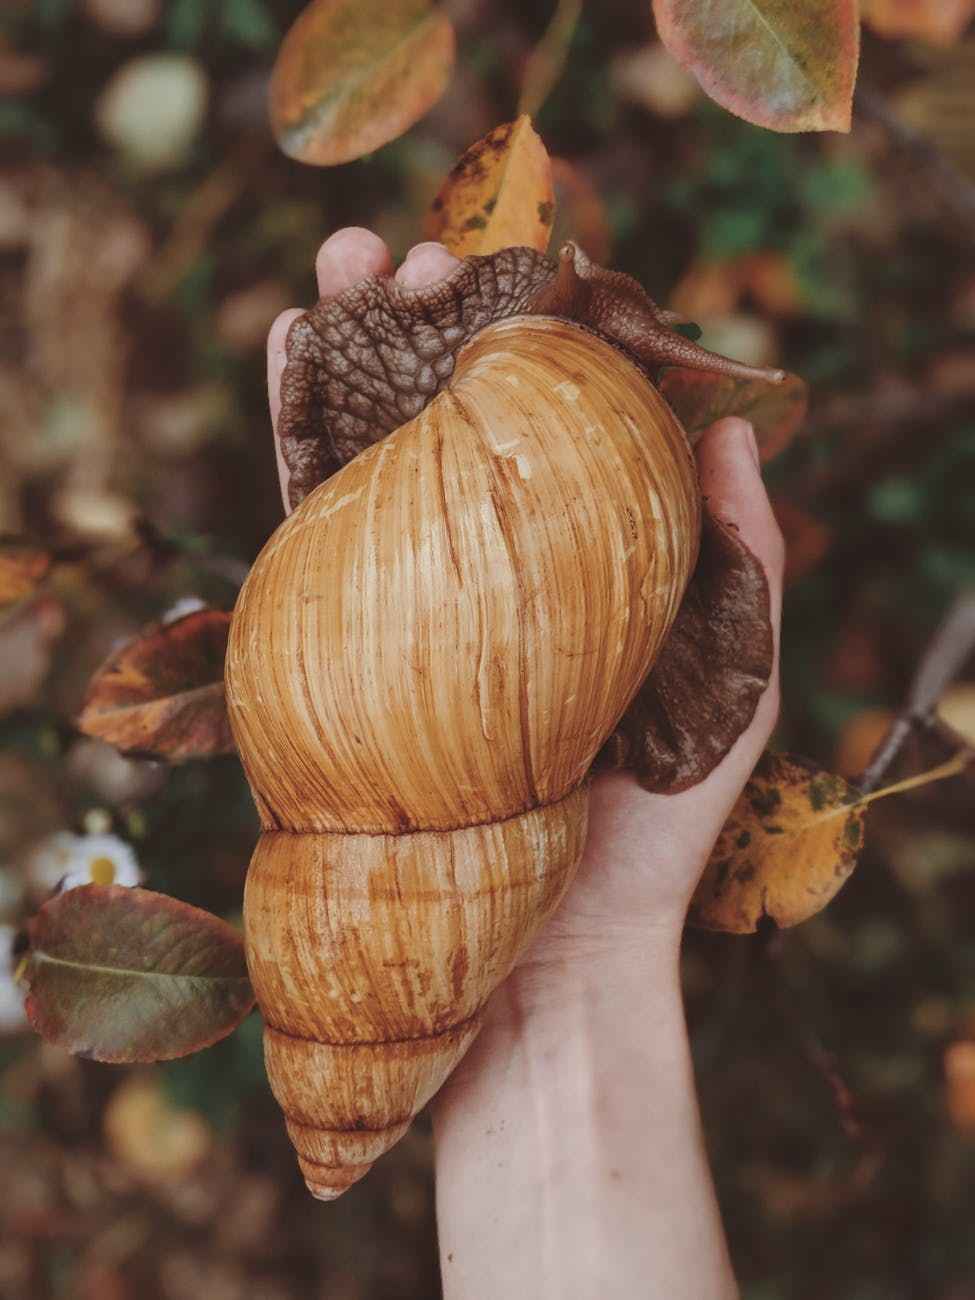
<point>570,1160</point>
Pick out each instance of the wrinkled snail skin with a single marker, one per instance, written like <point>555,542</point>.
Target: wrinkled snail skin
<point>423,664</point>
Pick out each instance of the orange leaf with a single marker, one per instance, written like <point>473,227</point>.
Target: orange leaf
<point>499,195</point>
<point>789,65</point>
<point>23,568</point>
<point>161,694</point>
<point>352,75</point>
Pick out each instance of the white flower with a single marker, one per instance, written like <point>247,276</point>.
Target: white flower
<point>65,861</point>
<point>12,1014</point>
<point>185,605</point>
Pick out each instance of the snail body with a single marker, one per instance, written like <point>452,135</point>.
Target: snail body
<point>423,664</point>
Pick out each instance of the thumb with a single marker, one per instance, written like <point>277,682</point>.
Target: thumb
<point>731,482</point>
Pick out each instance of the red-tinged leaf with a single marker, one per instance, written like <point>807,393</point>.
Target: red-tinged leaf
<point>789,65</point>
<point>23,567</point>
<point>161,695</point>
<point>124,975</point>
<point>775,410</point>
<point>352,75</point>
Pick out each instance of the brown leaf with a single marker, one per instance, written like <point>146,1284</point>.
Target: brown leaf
<point>352,75</point>
<point>789,845</point>
<point>938,21</point>
<point>703,690</point>
<point>580,213</point>
<point>776,411</point>
<point>807,540</point>
<point>121,975</point>
<point>499,195</point>
<point>157,1141</point>
<point>789,65</point>
<point>23,567</point>
<point>162,694</point>
<point>960,1084</point>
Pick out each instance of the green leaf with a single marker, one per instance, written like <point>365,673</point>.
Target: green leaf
<point>352,75</point>
<point>124,975</point>
<point>789,65</point>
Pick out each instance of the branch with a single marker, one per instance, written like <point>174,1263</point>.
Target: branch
<point>942,661</point>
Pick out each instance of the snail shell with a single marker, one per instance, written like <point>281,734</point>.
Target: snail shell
<point>423,664</point>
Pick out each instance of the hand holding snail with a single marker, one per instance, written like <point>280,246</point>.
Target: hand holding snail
<point>430,654</point>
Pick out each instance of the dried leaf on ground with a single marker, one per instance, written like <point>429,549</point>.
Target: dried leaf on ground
<point>23,567</point>
<point>789,65</point>
<point>776,411</point>
<point>351,75</point>
<point>789,845</point>
<point>161,694</point>
<point>121,975</point>
<point>499,195</point>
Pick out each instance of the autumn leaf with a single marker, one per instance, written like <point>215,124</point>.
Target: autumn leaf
<point>580,213</point>
<point>121,975</point>
<point>499,195</point>
<point>789,845</point>
<point>789,65</point>
<point>352,75</point>
<point>776,411</point>
<point>23,567</point>
<point>161,695</point>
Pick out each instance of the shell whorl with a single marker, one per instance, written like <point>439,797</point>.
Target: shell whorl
<point>422,667</point>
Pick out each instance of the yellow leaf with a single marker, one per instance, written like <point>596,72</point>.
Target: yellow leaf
<point>790,843</point>
<point>499,195</point>
<point>352,75</point>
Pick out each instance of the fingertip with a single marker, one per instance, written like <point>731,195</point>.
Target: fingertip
<point>425,264</point>
<point>349,255</point>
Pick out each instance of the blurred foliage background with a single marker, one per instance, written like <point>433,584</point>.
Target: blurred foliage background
<point>149,233</point>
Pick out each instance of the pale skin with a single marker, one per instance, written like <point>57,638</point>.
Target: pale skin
<point>570,1160</point>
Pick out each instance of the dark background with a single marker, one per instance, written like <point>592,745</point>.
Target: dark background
<point>139,269</point>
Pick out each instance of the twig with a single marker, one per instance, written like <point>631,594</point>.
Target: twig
<point>941,662</point>
<point>941,177</point>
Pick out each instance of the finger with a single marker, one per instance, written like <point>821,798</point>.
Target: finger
<point>425,264</point>
<point>350,255</point>
<point>731,482</point>
<point>276,359</point>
